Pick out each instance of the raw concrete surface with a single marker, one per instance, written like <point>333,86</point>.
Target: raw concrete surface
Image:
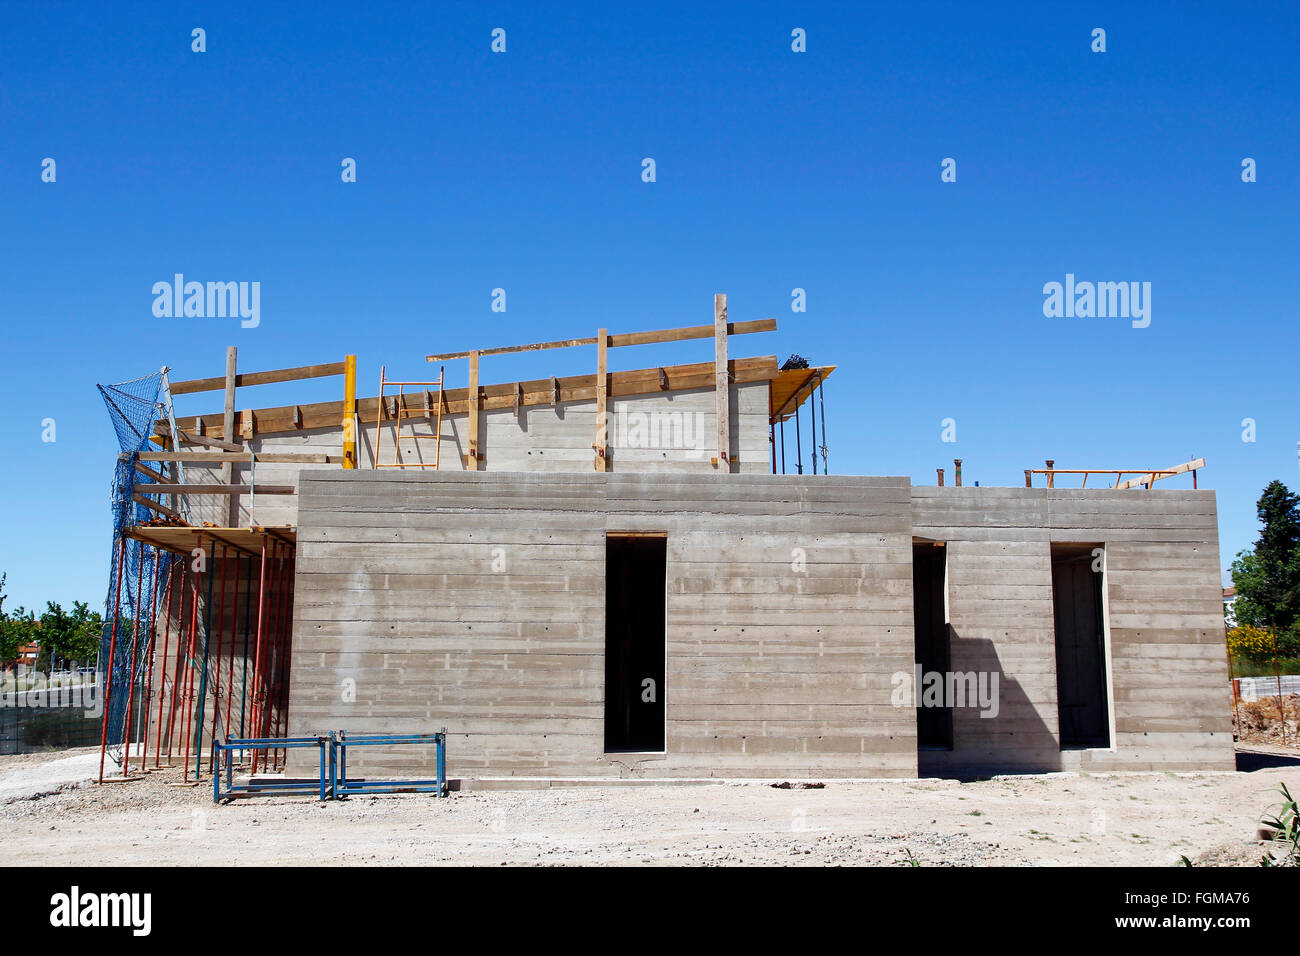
<point>1072,819</point>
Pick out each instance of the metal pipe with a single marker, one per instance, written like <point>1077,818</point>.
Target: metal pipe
<point>821,400</point>
<point>230,679</point>
<point>282,640</point>
<point>190,654</point>
<point>167,633</point>
<point>112,647</point>
<point>147,677</point>
<point>243,671</point>
<point>207,646</point>
<point>221,633</point>
<point>812,412</point>
<point>257,656</point>
<point>798,442</point>
<point>130,675</point>
<point>178,665</point>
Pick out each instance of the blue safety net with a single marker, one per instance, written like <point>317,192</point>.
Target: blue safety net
<point>138,573</point>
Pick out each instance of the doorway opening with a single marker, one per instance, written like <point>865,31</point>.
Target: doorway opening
<point>1081,682</point>
<point>933,643</point>
<point>636,567</point>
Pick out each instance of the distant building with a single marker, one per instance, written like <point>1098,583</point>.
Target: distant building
<point>1229,599</point>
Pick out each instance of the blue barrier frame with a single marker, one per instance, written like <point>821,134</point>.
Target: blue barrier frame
<point>342,788</point>
<point>270,787</point>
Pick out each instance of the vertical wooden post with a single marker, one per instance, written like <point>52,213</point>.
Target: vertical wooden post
<point>602,401</point>
<point>472,461</point>
<point>722,383</point>
<point>1051,475</point>
<point>350,411</point>
<point>227,434</point>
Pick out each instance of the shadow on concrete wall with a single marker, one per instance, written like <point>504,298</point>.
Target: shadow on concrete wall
<point>1017,740</point>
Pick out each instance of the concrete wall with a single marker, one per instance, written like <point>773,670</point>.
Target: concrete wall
<point>671,432</point>
<point>478,601</point>
<point>1165,618</point>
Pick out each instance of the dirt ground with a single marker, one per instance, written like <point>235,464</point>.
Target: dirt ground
<point>1054,819</point>
<point>1259,721</point>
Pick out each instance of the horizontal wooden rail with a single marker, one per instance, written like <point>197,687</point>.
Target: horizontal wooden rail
<point>618,341</point>
<point>221,458</point>
<point>539,392</point>
<point>150,489</point>
<point>259,378</point>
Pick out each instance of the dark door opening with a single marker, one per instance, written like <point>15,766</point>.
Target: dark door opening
<point>635,574</point>
<point>933,651</point>
<point>1080,645</point>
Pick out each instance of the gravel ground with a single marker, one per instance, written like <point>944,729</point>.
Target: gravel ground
<point>1053,819</point>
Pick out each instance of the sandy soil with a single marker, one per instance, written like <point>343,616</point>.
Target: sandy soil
<point>1071,819</point>
<point>1259,721</point>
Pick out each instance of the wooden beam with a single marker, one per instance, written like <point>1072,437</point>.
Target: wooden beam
<point>161,509</point>
<point>691,332</point>
<point>722,381</point>
<point>619,341</point>
<point>602,401</point>
<point>227,426</point>
<point>573,388</point>
<point>222,489</point>
<point>260,378</point>
<point>472,397</point>
<point>190,439</point>
<point>221,458</point>
<point>157,476</point>
<point>1151,477</point>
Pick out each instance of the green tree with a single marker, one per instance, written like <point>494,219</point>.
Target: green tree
<point>1267,577</point>
<point>17,628</point>
<point>68,637</point>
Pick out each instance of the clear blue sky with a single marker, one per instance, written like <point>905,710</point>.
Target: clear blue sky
<point>775,170</point>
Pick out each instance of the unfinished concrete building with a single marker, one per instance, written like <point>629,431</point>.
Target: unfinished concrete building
<point>608,576</point>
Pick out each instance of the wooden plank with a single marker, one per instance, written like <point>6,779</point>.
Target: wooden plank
<point>621,340</point>
<point>472,398</point>
<point>228,425</point>
<point>1151,477</point>
<point>188,438</point>
<point>157,476</point>
<point>148,489</point>
<point>260,378</point>
<point>602,399</point>
<point>161,509</point>
<point>722,383</point>
<point>221,458</point>
<point>575,388</point>
<point>692,332</point>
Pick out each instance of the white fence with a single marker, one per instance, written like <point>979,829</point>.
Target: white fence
<point>1253,688</point>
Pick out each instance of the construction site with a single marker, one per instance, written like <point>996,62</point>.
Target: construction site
<point>643,575</point>
<point>632,616</point>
